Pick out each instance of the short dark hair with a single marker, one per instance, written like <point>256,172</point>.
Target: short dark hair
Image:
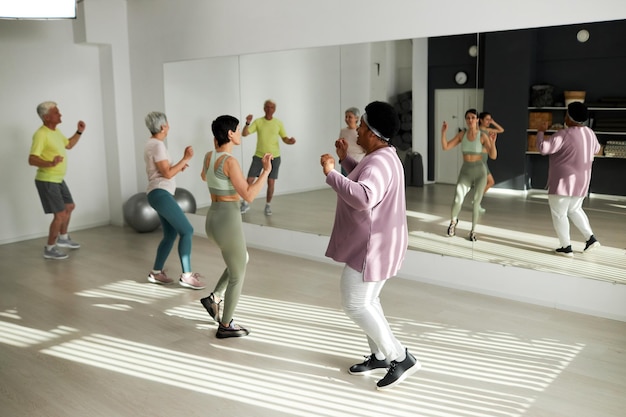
<point>577,111</point>
<point>221,126</point>
<point>383,117</point>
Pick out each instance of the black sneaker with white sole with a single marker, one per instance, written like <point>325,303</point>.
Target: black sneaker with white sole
<point>591,244</point>
<point>370,364</point>
<point>399,371</point>
<point>565,251</point>
<point>214,309</point>
<point>233,330</point>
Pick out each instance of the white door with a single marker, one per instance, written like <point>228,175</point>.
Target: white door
<point>451,105</point>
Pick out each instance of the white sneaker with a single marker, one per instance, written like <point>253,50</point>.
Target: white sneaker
<point>192,281</point>
<point>54,253</point>
<point>244,207</point>
<point>268,210</point>
<point>67,243</point>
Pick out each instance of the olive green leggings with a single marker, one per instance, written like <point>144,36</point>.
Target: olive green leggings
<point>473,174</point>
<point>224,227</point>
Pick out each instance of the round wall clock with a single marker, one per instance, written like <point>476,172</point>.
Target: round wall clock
<point>460,78</point>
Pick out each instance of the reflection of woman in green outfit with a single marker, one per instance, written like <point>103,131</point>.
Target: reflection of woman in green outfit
<point>474,171</point>
<point>487,125</point>
<point>227,186</point>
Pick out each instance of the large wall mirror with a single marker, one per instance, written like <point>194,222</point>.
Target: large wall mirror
<point>313,87</point>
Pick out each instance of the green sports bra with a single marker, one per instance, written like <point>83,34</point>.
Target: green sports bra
<point>472,147</point>
<point>218,182</point>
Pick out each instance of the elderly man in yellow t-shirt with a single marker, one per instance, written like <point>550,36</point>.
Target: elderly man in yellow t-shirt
<point>47,153</point>
<point>268,130</point>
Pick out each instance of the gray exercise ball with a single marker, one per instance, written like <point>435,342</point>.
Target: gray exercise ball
<point>140,215</point>
<point>185,200</point>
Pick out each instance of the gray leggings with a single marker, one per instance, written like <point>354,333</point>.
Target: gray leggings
<point>473,174</point>
<point>224,227</point>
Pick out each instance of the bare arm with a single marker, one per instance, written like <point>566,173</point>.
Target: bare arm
<point>169,171</point>
<point>496,127</point>
<point>247,191</point>
<point>205,165</point>
<point>36,161</point>
<point>489,143</point>
<point>449,144</point>
<point>80,128</point>
<point>245,131</point>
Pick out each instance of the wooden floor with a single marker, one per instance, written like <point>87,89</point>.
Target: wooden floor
<point>516,229</point>
<point>89,336</point>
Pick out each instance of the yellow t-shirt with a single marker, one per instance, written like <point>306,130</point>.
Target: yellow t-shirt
<point>268,134</point>
<point>47,144</point>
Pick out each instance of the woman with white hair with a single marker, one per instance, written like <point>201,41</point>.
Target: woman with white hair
<point>349,134</point>
<point>161,189</point>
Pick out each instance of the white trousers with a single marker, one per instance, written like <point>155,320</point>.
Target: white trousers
<point>564,209</point>
<point>360,301</point>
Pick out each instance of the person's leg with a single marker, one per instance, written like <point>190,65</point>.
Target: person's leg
<point>558,209</point>
<point>479,174</point>
<point>577,215</point>
<point>59,219</point>
<point>52,202</point>
<point>463,185</point>
<point>69,208</point>
<point>270,190</point>
<point>490,182</point>
<point>224,226</point>
<point>271,181</point>
<point>361,302</point>
<point>174,223</point>
<point>63,239</point>
<point>255,170</point>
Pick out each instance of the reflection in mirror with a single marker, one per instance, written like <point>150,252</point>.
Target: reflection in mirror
<point>313,87</point>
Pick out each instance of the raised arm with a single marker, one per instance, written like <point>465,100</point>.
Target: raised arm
<point>245,131</point>
<point>80,128</point>
<point>449,144</point>
<point>495,127</point>
<point>168,170</point>
<point>247,191</point>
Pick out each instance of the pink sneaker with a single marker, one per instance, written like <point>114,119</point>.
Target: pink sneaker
<point>192,281</point>
<point>160,278</point>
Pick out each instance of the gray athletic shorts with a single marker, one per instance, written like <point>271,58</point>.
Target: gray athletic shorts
<point>53,195</point>
<point>257,166</point>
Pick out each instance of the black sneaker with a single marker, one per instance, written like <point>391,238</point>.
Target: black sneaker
<point>567,251</point>
<point>591,244</point>
<point>233,330</point>
<point>398,371</point>
<point>472,236</point>
<point>213,308</point>
<point>452,228</point>
<point>370,364</point>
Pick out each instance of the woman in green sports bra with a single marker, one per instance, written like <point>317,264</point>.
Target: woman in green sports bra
<point>473,172</point>
<point>227,186</point>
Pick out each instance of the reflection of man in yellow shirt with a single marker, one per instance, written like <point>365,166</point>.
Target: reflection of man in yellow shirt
<point>269,130</point>
<point>47,153</point>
